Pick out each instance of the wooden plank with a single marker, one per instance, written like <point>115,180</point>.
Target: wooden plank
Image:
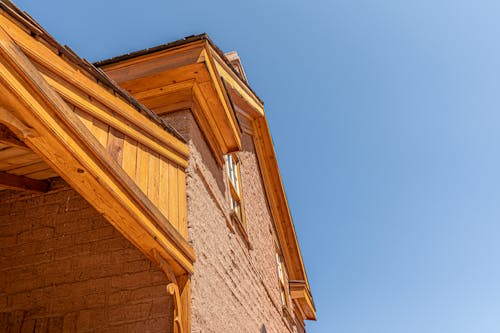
<point>173,198</point>
<point>86,119</point>
<point>163,188</point>
<point>11,152</point>
<point>152,63</point>
<point>129,161</point>
<point>165,89</point>
<point>181,177</point>
<point>22,183</point>
<point>19,161</point>
<point>142,168</point>
<point>115,144</point>
<point>30,168</point>
<point>153,178</point>
<point>9,138</point>
<point>42,174</point>
<point>100,131</point>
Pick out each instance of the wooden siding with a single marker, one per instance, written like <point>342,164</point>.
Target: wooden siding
<point>161,180</point>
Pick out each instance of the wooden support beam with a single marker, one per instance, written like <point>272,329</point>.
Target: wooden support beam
<point>9,138</point>
<point>22,183</point>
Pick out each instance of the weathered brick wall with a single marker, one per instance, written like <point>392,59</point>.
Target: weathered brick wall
<point>63,266</point>
<point>234,287</point>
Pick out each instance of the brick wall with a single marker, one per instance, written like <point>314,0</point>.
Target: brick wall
<point>63,267</point>
<point>234,287</point>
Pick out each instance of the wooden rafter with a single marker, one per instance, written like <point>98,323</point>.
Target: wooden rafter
<point>22,183</point>
<point>9,138</point>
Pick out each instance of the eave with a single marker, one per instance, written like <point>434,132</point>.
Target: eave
<point>182,76</point>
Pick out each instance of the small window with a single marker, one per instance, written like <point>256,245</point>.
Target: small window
<point>234,180</point>
<point>282,280</point>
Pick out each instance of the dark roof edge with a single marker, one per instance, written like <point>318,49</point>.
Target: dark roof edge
<point>179,42</point>
<point>36,30</point>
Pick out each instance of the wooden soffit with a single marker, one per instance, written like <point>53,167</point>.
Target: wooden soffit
<point>187,76</point>
<point>42,99</point>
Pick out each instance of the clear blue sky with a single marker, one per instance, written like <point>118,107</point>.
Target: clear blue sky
<point>386,120</point>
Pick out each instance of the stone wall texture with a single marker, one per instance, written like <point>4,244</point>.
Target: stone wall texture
<point>235,286</point>
<point>64,268</point>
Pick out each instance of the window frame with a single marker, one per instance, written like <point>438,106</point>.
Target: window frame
<point>234,184</point>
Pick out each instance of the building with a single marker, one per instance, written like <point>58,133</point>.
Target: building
<point>139,194</point>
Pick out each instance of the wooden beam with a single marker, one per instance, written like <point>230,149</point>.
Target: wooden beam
<point>9,138</point>
<point>22,183</point>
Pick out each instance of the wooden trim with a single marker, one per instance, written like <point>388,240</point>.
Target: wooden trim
<point>223,99</point>
<point>22,183</point>
<point>201,113</point>
<point>235,82</point>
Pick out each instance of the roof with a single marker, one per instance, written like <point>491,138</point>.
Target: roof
<point>179,42</point>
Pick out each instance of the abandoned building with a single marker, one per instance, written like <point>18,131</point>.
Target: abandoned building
<point>139,194</point>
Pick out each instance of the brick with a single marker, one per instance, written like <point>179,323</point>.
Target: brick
<point>35,235</point>
<point>128,313</point>
<point>89,320</point>
<point>94,235</point>
<point>71,226</point>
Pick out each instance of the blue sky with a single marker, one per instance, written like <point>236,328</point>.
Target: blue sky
<point>386,121</point>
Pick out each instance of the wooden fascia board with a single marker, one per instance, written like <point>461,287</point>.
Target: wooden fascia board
<point>235,82</point>
<point>232,143</point>
<point>43,56</point>
<point>39,116</point>
<point>208,126</point>
<point>125,70</point>
<point>277,201</point>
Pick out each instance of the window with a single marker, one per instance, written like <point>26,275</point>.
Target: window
<point>282,279</point>
<point>234,180</point>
